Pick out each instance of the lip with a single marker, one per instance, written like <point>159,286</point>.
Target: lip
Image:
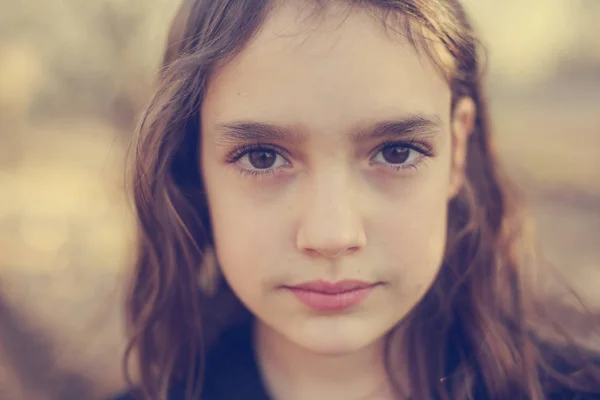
<point>324,296</point>
<point>326,287</point>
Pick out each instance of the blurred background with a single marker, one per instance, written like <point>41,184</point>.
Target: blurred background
<point>74,76</point>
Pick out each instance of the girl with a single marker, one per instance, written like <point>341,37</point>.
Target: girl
<point>321,216</point>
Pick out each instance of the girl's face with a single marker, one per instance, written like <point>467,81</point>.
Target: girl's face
<point>329,154</point>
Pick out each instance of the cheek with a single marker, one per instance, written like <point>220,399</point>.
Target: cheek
<point>249,238</point>
<point>413,234</point>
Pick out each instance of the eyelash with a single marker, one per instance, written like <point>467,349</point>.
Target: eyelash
<point>423,148</point>
<point>240,152</point>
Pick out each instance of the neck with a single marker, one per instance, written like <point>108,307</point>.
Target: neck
<point>293,373</point>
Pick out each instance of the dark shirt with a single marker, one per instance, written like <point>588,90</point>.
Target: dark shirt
<point>232,374</point>
<point>231,371</point>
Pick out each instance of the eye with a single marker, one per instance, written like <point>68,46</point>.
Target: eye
<point>398,155</point>
<point>261,159</point>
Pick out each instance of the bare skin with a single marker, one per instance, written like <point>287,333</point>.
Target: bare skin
<point>329,152</point>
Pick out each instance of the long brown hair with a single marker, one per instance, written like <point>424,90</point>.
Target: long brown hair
<point>479,310</point>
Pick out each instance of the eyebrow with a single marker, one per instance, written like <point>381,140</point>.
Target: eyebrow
<point>406,127</point>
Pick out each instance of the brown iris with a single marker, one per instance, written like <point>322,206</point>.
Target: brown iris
<point>395,154</point>
<point>262,159</point>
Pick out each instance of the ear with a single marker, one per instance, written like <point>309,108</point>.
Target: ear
<point>463,122</point>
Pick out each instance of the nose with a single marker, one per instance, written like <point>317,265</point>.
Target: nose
<point>331,225</point>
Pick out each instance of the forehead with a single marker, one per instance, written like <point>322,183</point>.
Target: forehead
<point>340,68</point>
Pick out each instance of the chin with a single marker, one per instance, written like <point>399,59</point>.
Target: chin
<point>333,348</point>
<point>334,338</point>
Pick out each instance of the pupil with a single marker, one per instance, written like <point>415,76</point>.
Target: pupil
<point>396,154</point>
<point>262,159</point>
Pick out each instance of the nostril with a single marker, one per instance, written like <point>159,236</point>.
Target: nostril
<point>331,253</point>
<point>311,252</point>
<point>353,249</point>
